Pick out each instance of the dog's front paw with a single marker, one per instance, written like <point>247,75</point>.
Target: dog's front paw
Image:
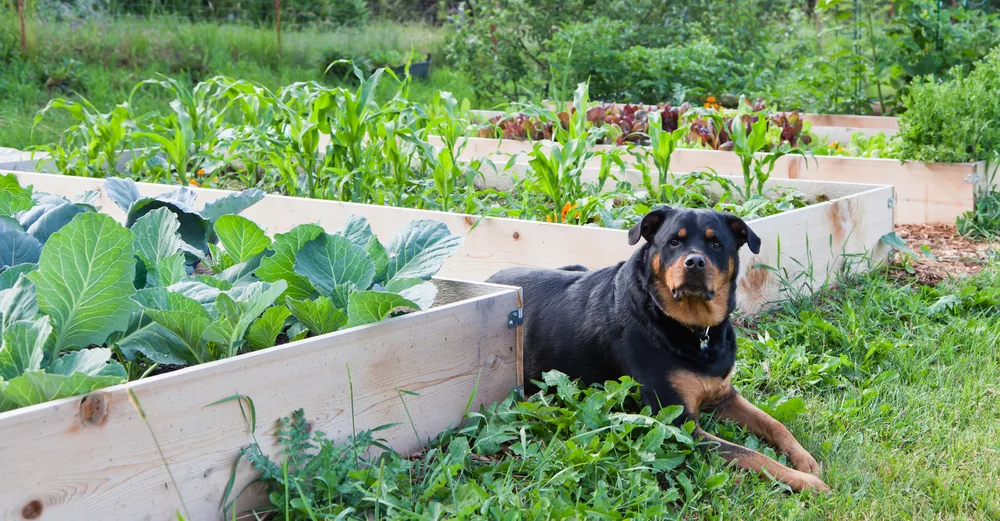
<point>801,481</point>
<point>804,462</point>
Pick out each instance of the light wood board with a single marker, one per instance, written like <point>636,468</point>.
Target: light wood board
<point>93,458</point>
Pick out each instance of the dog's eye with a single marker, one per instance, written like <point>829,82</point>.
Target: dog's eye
<point>716,244</point>
<point>675,242</point>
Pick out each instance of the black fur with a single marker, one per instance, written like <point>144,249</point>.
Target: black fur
<point>601,324</point>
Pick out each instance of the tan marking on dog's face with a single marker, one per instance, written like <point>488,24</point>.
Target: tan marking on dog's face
<point>682,233</point>
<point>697,391</point>
<point>693,311</point>
<point>709,233</point>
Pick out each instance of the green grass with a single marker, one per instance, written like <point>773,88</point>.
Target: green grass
<point>103,60</point>
<point>893,387</point>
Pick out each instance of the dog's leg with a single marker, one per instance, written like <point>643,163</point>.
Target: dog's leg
<point>757,462</point>
<point>738,410</point>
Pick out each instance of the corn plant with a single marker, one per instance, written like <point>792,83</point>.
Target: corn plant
<point>94,145</point>
<point>661,147</point>
<point>756,169</point>
<point>188,134</point>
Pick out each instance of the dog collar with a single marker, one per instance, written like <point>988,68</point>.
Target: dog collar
<point>703,338</point>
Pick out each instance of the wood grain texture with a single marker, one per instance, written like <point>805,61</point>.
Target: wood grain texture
<point>63,468</point>
<point>496,243</point>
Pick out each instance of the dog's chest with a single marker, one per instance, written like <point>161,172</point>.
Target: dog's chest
<point>697,391</point>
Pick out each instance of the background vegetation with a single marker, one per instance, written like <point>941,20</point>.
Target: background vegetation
<point>835,56</point>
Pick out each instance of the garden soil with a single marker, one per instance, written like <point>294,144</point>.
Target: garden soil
<point>951,255</point>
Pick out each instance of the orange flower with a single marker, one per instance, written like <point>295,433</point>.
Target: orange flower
<point>711,99</point>
<point>548,218</point>
<point>566,208</point>
<point>215,179</point>
<point>201,171</point>
<point>192,182</point>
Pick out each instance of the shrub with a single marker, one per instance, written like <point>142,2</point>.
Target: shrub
<point>501,45</point>
<point>609,55</point>
<point>955,120</point>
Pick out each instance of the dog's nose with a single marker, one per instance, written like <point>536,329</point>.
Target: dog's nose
<point>694,262</point>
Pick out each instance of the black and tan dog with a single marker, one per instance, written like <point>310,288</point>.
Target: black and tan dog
<point>662,318</point>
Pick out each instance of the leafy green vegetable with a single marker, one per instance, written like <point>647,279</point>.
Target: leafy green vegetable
<point>241,238</point>
<point>18,248</point>
<point>366,307</point>
<point>23,347</point>
<point>330,262</point>
<point>17,303</point>
<point>181,316</point>
<point>100,290</point>
<point>236,309</point>
<point>54,219</point>
<point>84,281</point>
<point>9,276</point>
<point>196,228</point>
<point>419,249</point>
<point>320,316</point>
<point>281,264</point>
<point>33,378</point>
<point>419,291</point>
<point>13,198</point>
<point>265,330</point>
<point>156,236</point>
<point>231,204</point>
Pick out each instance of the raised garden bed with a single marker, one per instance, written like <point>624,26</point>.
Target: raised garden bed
<point>925,192</point>
<point>835,127</point>
<point>805,247</point>
<point>139,449</point>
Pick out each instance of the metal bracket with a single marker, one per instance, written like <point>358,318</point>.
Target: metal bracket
<point>892,202</point>
<point>972,178</point>
<point>515,318</point>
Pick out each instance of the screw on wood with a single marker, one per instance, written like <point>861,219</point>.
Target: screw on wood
<point>515,318</point>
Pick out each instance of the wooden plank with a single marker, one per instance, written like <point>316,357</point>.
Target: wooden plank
<point>812,246</point>
<point>883,123</point>
<point>926,192</point>
<point>495,243</point>
<point>75,466</point>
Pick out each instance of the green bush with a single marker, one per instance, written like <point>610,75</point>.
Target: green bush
<point>955,120</point>
<point>512,49</point>
<point>500,45</point>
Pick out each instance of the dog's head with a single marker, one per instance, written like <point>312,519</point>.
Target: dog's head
<point>692,258</point>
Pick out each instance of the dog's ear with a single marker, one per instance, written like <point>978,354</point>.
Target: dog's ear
<point>743,233</point>
<point>649,224</point>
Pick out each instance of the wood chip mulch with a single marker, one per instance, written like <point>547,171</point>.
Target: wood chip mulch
<point>951,255</point>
